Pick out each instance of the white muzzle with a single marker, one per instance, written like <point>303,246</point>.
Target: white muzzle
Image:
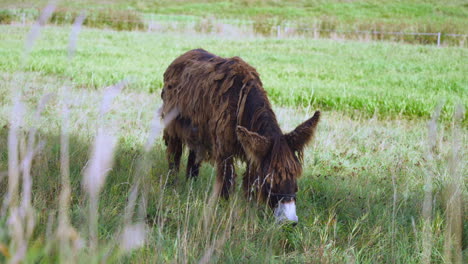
<point>286,212</point>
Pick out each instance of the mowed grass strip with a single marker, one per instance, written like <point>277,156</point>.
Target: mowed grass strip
<point>383,79</point>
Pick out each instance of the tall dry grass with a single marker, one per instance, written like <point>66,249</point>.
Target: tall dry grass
<point>428,188</point>
<point>451,177</point>
<point>21,152</point>
<point>67,236</point>
<point>454,215</point>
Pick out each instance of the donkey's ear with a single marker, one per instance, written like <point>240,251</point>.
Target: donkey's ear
<point>299,137</point>
<point>255,145</point>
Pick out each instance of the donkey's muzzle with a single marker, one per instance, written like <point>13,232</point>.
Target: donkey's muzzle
<point>286,211</point>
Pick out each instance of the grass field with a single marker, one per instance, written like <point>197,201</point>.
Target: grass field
<point>416,15</point>
<point>385,79</point>
<point>367,177</point>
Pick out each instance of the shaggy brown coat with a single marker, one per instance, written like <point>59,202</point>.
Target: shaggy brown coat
<point>224,113</point>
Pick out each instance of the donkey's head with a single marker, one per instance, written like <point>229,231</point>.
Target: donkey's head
<point>275,165</point>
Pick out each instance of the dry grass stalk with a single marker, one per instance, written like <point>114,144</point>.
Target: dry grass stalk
<point>216,245</point>
<point>76,28</point>
<point>26,164</point>
<point>157,126</point>
<point>100,164</point>
<point>21,219</point>
<point>138,229</point>
<point>133,236</point>
<point>454,199</point>
<point>13,154</point>
<point>109,94</point>
<point>221,235</point>
<point>67,236</point>
<point>18,244</point>
<point>428,188</point>
<point>36,28</point>
<point>26,206</point>
<point>64,222</point>
<point>394,209</point>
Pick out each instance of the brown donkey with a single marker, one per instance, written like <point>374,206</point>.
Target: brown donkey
<point>223,114</point>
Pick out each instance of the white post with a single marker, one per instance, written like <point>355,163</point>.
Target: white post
<point>23,19</point>
<point>438,39</point>
<point>278,31</point>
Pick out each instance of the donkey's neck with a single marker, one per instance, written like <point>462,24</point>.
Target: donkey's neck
<point>258,115</point>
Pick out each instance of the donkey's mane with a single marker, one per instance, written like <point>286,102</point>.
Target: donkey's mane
<point>262,120</point>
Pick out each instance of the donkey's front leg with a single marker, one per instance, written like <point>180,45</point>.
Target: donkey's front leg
<point>225,176</point>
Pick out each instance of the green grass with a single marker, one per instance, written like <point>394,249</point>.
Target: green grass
<point>385,79</point>
<point>346,204</point>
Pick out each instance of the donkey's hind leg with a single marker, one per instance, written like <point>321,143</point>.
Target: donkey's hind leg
<point>173,152</point>
<point>193,166</point>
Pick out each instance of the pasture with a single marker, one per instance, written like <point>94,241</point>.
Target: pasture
<point>417,15</point>
<point>372,168</point>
